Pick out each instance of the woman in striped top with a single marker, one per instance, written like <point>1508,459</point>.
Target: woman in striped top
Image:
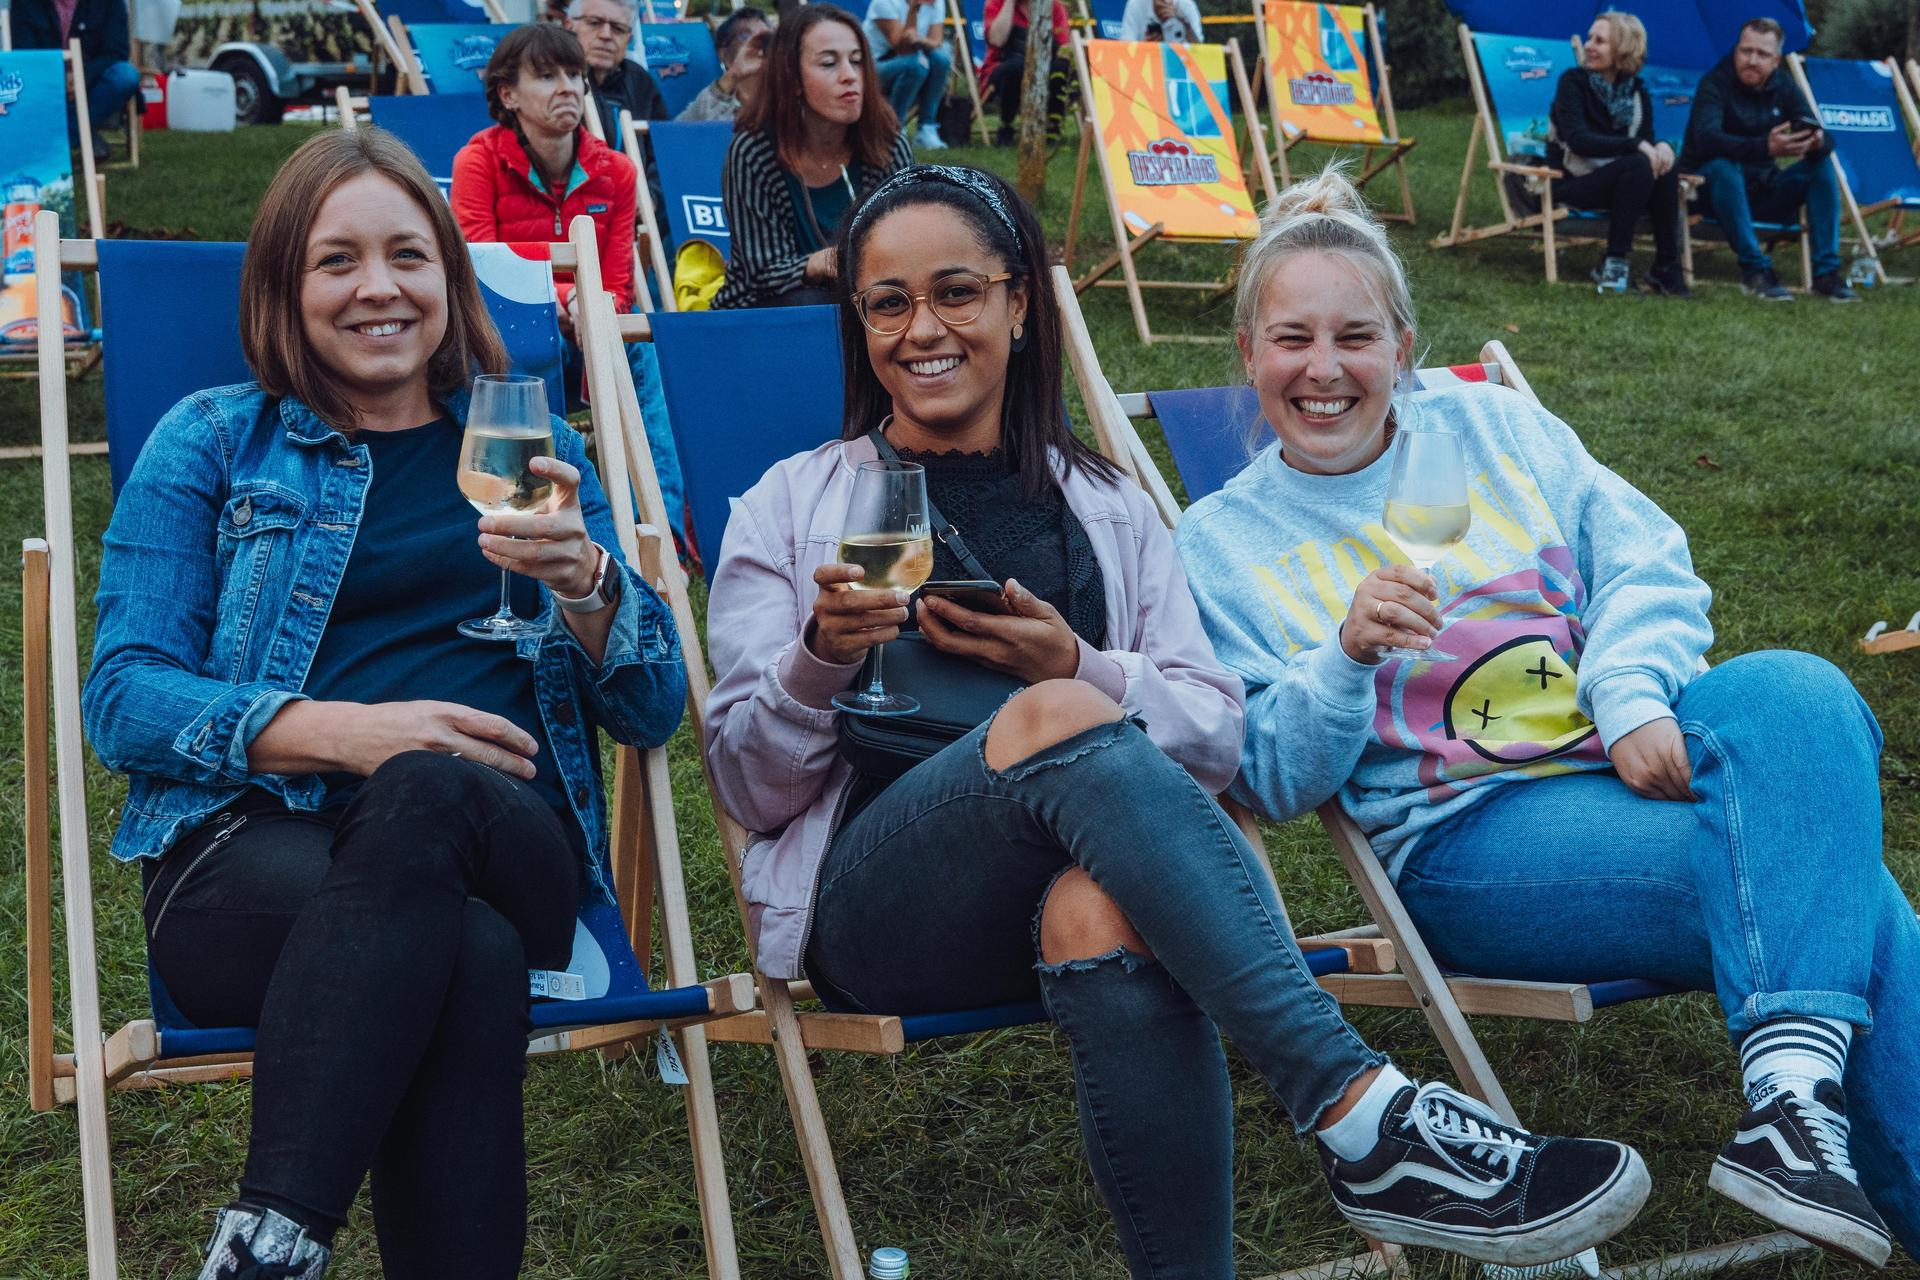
<point>818,139</point>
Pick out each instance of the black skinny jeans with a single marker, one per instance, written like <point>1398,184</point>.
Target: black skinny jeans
<point>382,951</point>
<point>1628,191</point>
<point>1004,85</point>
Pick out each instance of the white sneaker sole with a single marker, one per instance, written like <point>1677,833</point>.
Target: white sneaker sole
<point>1576,1228</point>
<point>1832,1231</point>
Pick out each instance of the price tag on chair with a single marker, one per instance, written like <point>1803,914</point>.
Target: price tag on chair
<point>667,1057</point>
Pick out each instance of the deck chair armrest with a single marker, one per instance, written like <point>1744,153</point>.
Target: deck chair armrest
<point>1528,170</point>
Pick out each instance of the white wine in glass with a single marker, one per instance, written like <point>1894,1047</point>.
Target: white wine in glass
<point>889,536</point>
<point>1427,512</point>
<point>507,428</point>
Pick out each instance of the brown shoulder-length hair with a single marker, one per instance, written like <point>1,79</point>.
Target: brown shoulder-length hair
<point>539,46</point>
<point>781,109</point>
<point>271,333</point>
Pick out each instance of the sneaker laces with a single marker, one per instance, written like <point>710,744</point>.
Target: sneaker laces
<point>1447,1121</point>
<point>248,1267</point>
<point>1828,1129</point>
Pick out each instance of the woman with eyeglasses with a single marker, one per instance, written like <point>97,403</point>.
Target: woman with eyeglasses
<point>1068,848</point>
<point>816,142</point>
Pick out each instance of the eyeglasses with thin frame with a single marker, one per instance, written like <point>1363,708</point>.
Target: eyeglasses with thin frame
<point>620,29</point>
<point>956,299</point>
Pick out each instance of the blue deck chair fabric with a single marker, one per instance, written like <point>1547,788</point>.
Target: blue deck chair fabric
<point>1520,74</point>
<point>1672,90</point>
<point>148,369</point>
<point>1108,17</point>
<point>681,57</point>
<point>975,14</point>
<point>692,156</point>
<point>434,126</point>
<point>454,54</point>
<point>1860,109</point>
<point>37,173</point>
<point>1685,33</point>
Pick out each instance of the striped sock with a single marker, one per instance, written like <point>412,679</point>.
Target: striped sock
<point>1794,1054</point>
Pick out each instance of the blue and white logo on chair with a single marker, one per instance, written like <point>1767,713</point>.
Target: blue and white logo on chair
<point>1528,63</point>
<point>705,215</point>
<point>1843,119</point>
<point>12,85</point>
<point>472,53</point>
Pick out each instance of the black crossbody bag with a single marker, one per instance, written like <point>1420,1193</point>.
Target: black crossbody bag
<point>956,694</point>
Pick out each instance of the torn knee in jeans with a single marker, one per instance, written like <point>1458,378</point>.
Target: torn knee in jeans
<point>1128,959</point>
<point>1077,920</point>
<point>1043,716</point>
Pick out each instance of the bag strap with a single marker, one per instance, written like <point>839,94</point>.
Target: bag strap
<point>942,527</point>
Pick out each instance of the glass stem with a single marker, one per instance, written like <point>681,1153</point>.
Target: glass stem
<point>506,595</point>
<point>875,693</point>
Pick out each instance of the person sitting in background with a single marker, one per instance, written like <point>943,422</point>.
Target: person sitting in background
<point>381,824</point>
<point>619,84</point>
<point>1005,65</point>
<point>1560,788</point>
<point>101,28</point>
<point>1601,136</point>
<point>529,176</point>
<point>742,44</point>
<point>909,43</point>
<point>1747,114</point>
<point>1175,21</point>
<point>817,141</point>
<point>1068,848</point>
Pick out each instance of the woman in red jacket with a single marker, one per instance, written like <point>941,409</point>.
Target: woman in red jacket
<point>529,176</point>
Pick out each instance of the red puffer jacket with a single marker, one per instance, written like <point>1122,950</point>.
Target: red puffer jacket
<point>497,196</point>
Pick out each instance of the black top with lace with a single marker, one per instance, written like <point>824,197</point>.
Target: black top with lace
<point>1043,544</point>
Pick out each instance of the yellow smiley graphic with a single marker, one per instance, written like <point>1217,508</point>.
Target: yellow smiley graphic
<point>1516,704</point>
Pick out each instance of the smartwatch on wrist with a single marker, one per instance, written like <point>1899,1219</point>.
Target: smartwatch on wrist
<point>605,590</point>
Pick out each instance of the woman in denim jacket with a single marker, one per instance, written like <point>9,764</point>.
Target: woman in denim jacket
<point>358,829</point>
<point>1070,847</point>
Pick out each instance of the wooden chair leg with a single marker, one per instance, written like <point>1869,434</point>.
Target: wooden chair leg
<point>810,1130</point>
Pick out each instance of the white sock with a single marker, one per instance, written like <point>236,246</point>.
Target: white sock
<point>1355,1133</point>
<point>1794,1054</point>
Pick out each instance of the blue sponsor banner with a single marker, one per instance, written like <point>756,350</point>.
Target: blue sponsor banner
<point>1860,110</point>
<point>681,57</point>
<point>436,126</point>
<point>1672,90</point>
<point>36,172</point>
<point>454,54</point>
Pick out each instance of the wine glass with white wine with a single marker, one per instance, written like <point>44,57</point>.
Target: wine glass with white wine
<point>1427,511</point>
<point>888,535</point>
<point>507,428</point>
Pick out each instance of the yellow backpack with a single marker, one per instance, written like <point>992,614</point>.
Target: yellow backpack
<point>698,273</point>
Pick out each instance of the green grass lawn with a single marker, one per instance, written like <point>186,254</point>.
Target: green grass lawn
<point>1785,439</point>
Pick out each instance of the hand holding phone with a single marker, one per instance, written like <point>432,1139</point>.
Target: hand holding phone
<point>981,595</point>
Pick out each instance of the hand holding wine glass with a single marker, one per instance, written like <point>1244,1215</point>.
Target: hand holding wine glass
<point>1427,515</point>
<point>887,537</point>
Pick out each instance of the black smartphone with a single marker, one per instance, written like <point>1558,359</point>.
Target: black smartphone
<point>1801,124</point>
<point>982,595</point>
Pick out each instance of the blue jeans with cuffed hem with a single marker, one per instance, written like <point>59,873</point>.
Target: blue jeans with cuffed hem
<point>1727,197</point>
<point>930,900</point>
<point>1768,889</point>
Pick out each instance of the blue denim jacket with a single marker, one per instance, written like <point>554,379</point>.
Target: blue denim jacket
<point>221,563</point>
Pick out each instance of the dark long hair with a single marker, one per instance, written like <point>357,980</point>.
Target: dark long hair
<point>1033,417</point>
<point>781,107</point>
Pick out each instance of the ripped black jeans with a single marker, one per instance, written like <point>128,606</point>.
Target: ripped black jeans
<point>930,900</point>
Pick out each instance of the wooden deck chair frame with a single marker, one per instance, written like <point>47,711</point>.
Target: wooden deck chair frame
<point>963,63</point>
<point>793,1033</point>
<point>651,222</point>
<point>645,843</point>
<point>1486,132</point>
<point>1869,247</point>
<point>1093,144</point>
<point>1377,157</point>
<point>391,39</point>
<point>1421,984</point>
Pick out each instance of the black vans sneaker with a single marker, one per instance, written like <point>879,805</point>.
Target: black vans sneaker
<point>1449,1174</point>
<point>1788,1163</point>
<point>1830,285</point>
<point>1765,285</point>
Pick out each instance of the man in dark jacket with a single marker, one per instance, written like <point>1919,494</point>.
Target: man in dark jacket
<point>1747,114</point>
<point>618,83</point>
<point>101,28</point>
